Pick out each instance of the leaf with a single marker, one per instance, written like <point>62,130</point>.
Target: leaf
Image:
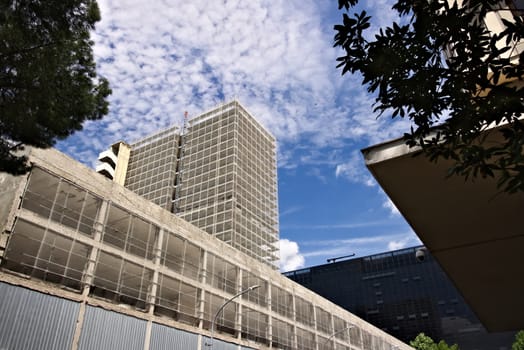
<point>461,93</point>
<point>50,101</point>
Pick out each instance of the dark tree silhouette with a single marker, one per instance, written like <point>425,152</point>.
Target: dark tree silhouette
<point>48,82</point>
<point>456,80</point>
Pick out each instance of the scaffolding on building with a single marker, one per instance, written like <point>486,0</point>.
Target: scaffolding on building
<point>180,167</point>
<point>229,181</point>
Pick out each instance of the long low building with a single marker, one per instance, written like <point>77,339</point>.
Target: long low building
<point>88,264</point>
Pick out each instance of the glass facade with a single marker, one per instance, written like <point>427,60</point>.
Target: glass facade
<point>403,296</point>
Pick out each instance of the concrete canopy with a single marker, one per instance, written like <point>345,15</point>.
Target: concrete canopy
<point>475,232</point>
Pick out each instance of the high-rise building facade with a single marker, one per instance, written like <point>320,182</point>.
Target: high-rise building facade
<point>87,264</point>
<point>152,167</point>
<point>218,172</point>
<point>228,183</point>
<point>403,296</point>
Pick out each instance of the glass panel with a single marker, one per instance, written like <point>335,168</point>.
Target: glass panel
<point>46,255</point>
<point>121,281</point>
<point>221,274</point>
<point>177,300</point>
<point>181,256</point>
<point>255,326</point>
<point>282,335</point>
<point>63,202</point>
<point>225,320</point>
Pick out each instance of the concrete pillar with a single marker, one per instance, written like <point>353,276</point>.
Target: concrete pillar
<point>124,152</point>
<point>333,330</point>
<point>89,270</point>
<point>238,318</point>
<point>153,286</point>
<point>157,256</point>
<point>98,229</point>
<point>294,338</point>
<point>269,318</point>
<point>315,326</point>
<point>12,189</point>
<point>203,280</point>
<point>201,344</point>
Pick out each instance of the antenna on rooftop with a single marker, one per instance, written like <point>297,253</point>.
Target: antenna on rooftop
<point>332,260</point>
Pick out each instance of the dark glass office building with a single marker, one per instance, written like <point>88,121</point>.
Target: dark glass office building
<point>404,296</point>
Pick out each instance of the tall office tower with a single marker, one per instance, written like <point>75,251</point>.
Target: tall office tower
<point>148,166</point>
<point>218,173</point>
<point>228,183</point>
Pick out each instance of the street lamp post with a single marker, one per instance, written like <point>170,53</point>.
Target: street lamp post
<point>340,331</point>
<point>210,344</point>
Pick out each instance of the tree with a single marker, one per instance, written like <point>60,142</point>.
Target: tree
<point>455,80</point>
<point>423,342</point>
<point>48,82</point>
<point>519,341</point>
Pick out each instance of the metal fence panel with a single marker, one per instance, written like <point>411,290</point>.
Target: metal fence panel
<point>32,320</point>
<point>167,338</point>
<point>107,330</point>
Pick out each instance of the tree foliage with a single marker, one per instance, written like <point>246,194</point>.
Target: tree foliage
<point>519,341</point>
<point>456,81</point>
<point>48,82</point>
<point>423,342</point>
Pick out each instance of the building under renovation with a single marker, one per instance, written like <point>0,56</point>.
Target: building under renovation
<point>217,172</point>
<point>88,264</point>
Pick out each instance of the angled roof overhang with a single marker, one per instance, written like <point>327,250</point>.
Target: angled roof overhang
<point>475,232</point>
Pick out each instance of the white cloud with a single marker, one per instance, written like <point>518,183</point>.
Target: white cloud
<point>290,256</point>
<point>389,205</point>
<point>387,15</point>
<point>338,226</point>
<point>317,173</point>
<point>403,242</point>
<point>290,210</point>
<point>395,245</point>
<point>361,246</point>
<point>354,170</point>
<point>165,57</point>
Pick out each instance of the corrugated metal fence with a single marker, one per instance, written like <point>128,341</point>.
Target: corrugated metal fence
<point>32,320</point>
<point>107,330</point>
<point>166,338</point>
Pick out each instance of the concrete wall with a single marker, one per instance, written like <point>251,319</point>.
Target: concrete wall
<point>33,320</point>
<point>69,241</point>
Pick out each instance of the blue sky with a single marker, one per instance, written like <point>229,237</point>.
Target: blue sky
<point>276,57</point>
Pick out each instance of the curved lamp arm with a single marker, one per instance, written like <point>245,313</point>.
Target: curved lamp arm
<point>210,344</point>
<point>337,332</point>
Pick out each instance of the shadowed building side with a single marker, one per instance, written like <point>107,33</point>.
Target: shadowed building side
<point>404,296</point>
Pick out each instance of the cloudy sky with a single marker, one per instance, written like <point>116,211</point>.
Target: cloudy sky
<point>277,58</point>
